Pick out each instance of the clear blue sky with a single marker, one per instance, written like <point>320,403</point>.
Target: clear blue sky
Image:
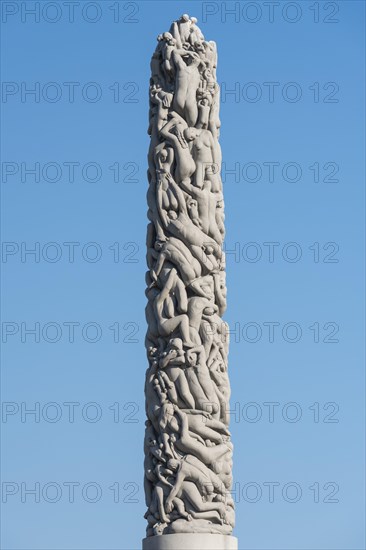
<point>293,131</point>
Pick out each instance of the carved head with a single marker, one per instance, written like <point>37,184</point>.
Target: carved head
<point>159,245</point>
<point>175,343</point>
<point>191,133</point>
<point>172,214</point>
<point>211,169</point>
<point>173,464</point>
<point>191,358</point>
<point>169,39</point>
<point>163,155</point>
<point>192,204</point>
<point>167,410</point>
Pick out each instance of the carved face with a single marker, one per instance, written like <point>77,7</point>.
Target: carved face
<point>191,133</point>
<point>159,528</point>
<point>192,206</point>
<point>173,464</point>
<point>211,169</point>
<point>176,344</point>
<point>222,368</point>
<point>191,359</point>
<point>163,155</point>
<point>168,39</point>
<point>169,409</point>
<point>172,353</point>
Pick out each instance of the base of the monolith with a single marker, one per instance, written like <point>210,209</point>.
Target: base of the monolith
<point>190,541</point>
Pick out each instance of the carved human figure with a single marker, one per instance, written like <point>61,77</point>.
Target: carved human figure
<point>177,424</point>
<point>195,33</point>
<point>220,217</point>
<point>170,44</point>
<point>220,291</point>
<point>180,29</point>
<point>189,468</point>
<point>198,306</point>
<point>152,324</point>
<point>168,324</point>
<point>160,102</point>
<point>202,424</point>
<point>203,151</point>
<point>201,382</point>
<point>188,491</point>
<point>172,361</point>
<point>174,216</point>
<point>187,81</point>
<point>207,205</point>
<point>173,132</point>
<point>160,159</point>
<point>163,159</point>
<point>204,107</point>
<point>153,401</point>
<point>177,253</point>
<point>163,101</point>
<point>161,491</point>
<point>157,76</point>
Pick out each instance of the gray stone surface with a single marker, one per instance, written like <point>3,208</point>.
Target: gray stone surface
<point>188,452</point>
<point>190,542</point>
